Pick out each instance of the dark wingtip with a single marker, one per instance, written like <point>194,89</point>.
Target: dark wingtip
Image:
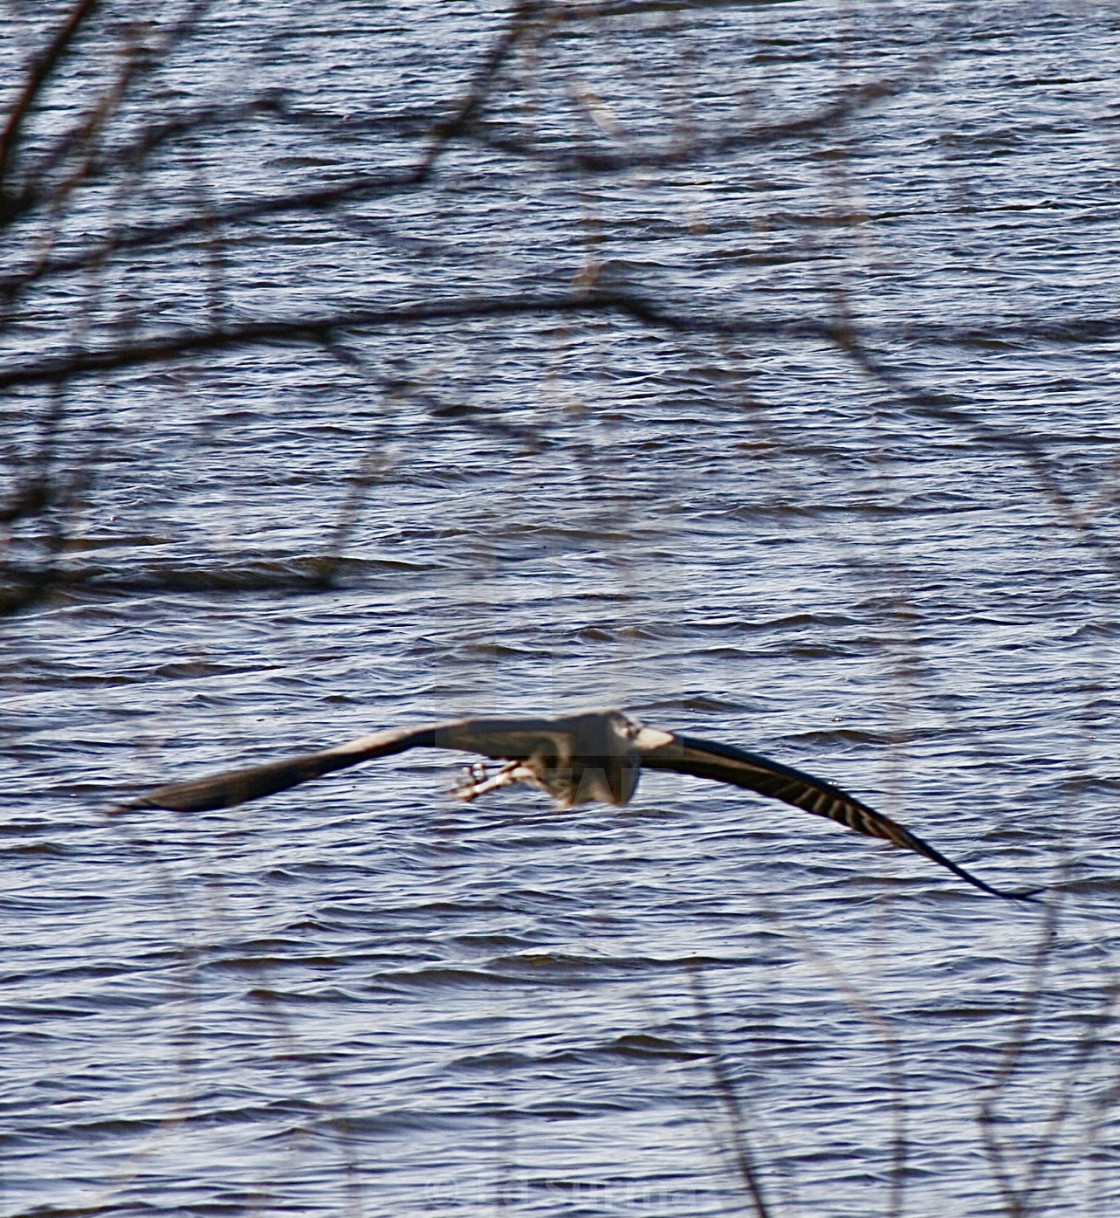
<point>142,803</point>
<point>1027,894</point>
<point>1023,894</point>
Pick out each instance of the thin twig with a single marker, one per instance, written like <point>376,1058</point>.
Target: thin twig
<point>725,1088</point>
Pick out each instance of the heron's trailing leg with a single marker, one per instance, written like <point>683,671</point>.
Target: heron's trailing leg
<point>476,781</point>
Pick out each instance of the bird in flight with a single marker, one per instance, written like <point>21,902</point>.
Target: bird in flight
<point>593,755</point>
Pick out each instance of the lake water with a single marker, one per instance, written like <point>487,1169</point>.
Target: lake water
<point>893,564</point>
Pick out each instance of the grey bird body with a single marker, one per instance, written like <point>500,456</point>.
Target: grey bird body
<point>593,755</point>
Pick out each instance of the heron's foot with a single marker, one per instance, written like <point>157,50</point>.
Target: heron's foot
<point>476,780</point>
<point>469,782</point>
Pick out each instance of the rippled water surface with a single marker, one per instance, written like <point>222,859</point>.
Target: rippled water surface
<point>848,500</point>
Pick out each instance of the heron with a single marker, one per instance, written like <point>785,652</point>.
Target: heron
<point>575,759</point>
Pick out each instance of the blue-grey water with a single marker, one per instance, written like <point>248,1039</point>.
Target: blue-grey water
<point>361,997</point>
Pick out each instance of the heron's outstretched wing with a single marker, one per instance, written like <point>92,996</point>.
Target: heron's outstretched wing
<point>722,763</point>
<point>557,747</point>
<point>236,786</point>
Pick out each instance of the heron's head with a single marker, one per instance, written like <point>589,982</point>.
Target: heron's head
<point>576,758</point>
<point>589,756</point>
